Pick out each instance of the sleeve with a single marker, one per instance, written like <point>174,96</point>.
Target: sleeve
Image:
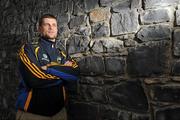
<point>30,70</point>
<point>64,72</point>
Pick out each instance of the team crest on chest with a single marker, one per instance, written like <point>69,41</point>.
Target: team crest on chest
<point>59,59</point>
<point>45,57</point>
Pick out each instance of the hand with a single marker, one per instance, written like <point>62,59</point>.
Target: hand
<point>44,67</point>
<point>68,63</point>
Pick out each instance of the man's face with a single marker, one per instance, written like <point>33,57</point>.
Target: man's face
<point>48,29</point>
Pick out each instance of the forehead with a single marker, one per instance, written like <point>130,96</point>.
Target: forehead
<point>49,20</point>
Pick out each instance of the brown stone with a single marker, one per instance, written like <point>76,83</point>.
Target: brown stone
<point>102,14</point>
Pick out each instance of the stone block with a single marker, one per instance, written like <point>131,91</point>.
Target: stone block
<point>93,93</point>
<point>106,2</point>
<point>165,93</point>
<point>176,68</point>
<point>121,5</point>
<point>101,14</point>
<point>176,45</point>
<point>136,4</point>
<point>140,117</point>
<point>92,65</point>
<point>84,6</point>
<point>86,111</point>
<point>156,3</point>
<point>156,16</point>
<point>115,65</point>
<point>123,95</point>
<point>124,22</point>
<point>78,44</point>
<point>178,17</point>
<point>154,33</point>
<point>107,45</point>
<point>171,113</point>
<point>148,60</point>
<point>100,30</point>
<point>108,113</point>
<point>77,21</point>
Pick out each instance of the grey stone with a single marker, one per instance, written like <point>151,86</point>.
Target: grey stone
<point>93,93</point>
<point>83,30</point>
<point>92,65</point>
<point>63,19</point>
<point>77,21</point>
<point>78,44</point>
<point>176,45</point>
<point>130,43</point>
<point>79,8</point>
<point>106,2</point>
<point>84,6</point>
<point>122,95</point>
<point>124,115</point>
<point>154,33</point>
<point>108,113</point>
<point>100,30</point>
<point>140,117</point>
<point>124,22</point>
<point>165,93</point>
<point>171,113</point>
<point>136,4</point>
<point>107,45</point>
<point>176,68</point>
<point>90,4</point>
<point>92,80</point>
<point>156,3</point>
<point>115,65</point>
<point>148,60</point>
<point>156,16</point>
<point>123,4</point>
<point>177,17</point>
<point>86,111</point>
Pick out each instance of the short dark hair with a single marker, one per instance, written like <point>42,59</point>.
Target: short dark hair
<point>46,16</point>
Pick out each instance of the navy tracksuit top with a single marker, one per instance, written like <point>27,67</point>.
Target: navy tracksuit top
<point>42,91</point>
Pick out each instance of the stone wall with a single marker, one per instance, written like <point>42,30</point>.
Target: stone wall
<point>128,52</point>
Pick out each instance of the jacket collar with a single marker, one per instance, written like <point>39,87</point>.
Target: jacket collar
<point>47,43</point>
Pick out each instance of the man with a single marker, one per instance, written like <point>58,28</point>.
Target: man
<point>44,70</point>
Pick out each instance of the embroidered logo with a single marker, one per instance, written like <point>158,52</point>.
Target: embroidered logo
<point>59,59</point>
<point>45,57</point>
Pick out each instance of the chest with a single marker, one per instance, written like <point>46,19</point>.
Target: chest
<point>51,55</point>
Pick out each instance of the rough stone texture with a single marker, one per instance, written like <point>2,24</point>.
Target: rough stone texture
<point>156,3</point>
<point>86,111</point>
<point>113,41</point>
<point>100,30</point>
<point>92,65</point>
<point>102,14</point>
<point>93,93</point>
<point>124,22</point>
<point>172,113</point>
<point>115,66</point>
<point>177,17</point>
<point>156,16</point>
<point>82,6</point>
<point>120,97</point>
<point>176,46</point>
<point>154,33</point>
<point>78,44</point>
<point>148,60</point>
<point>166,93</point>
<point>107,45</point>
<point>176,68</point>
<point>77,21</point>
